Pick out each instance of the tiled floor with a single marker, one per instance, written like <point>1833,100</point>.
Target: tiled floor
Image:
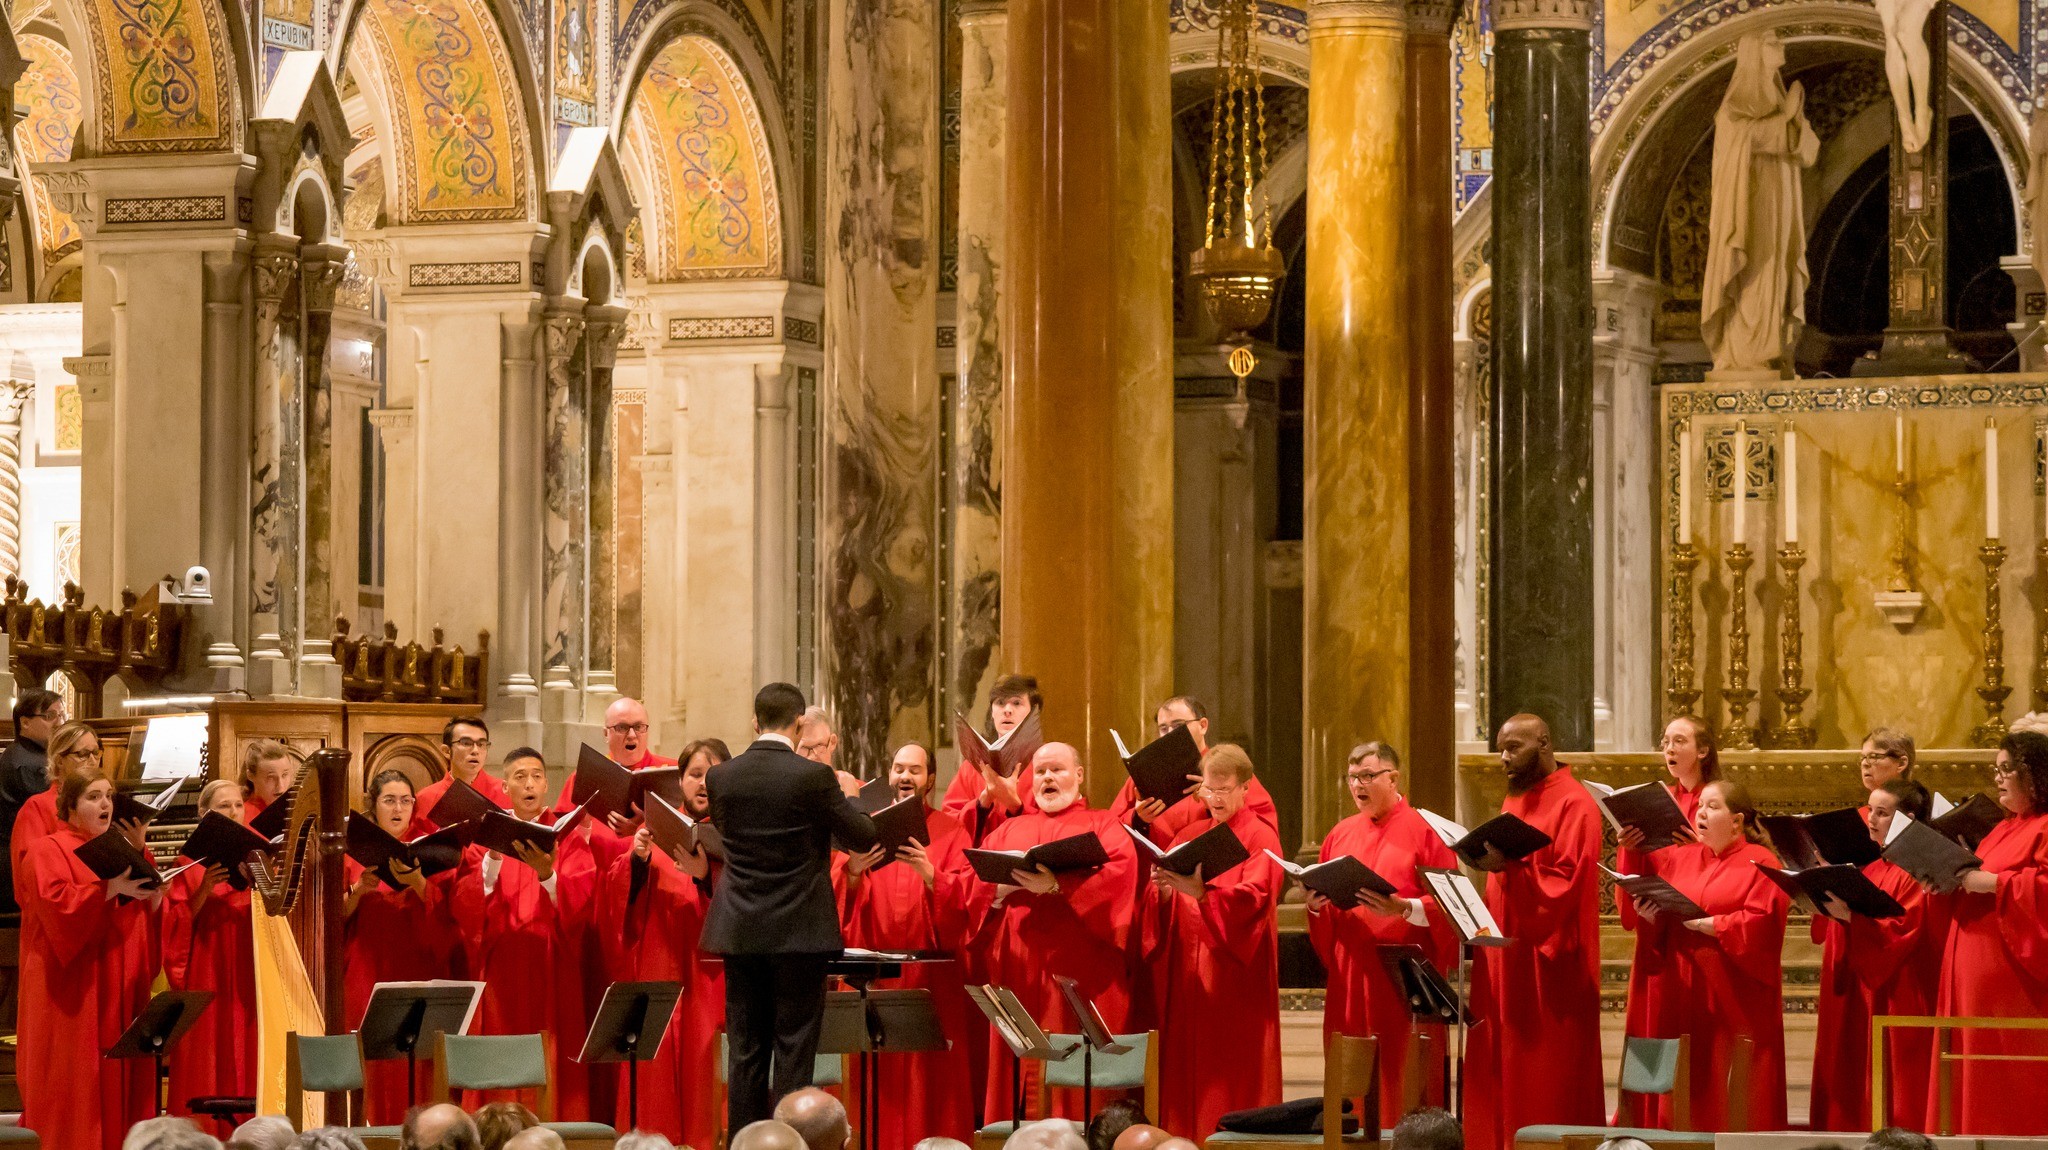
<point>1301,1056</point>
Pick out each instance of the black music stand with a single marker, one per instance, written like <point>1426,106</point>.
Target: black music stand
<point>402,1016</point>
<point>1431,998</point>
<point>629,1026</point>
<point>1021,1033</point>
<point>163,1020</point>
<point>1095,1036</point>
<point>1461,903</point>
<point>866,1023</point>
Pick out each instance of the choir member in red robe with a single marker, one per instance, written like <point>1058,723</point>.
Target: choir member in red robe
<point>89,950</point>
<point>1040,924</point>
<point>1215,952</point>
<point>1997,960</point>
<point>1162,823</point>
<point>651,914</point>
<point>467,743</point>
<point>1393,841</point>
<point>208,946</point>
<point>979,800</point>
<point>1729,964</point>
<point>505,909</point>
<point>393,933</point>
<point>1872,966</point>
<point>74,749</point>
<point>625,743</point>
<point>917,900</point>
<point>268,769</point>
<point>1887,754</point>
<point>1534,1056</point>
<point>1693,760</point>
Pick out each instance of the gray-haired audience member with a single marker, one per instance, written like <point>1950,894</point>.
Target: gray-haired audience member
<point>939,1144</point>
<point>816,1116</point>
<point>167,1134</point>
<point>1428,1128</point>
<point>1624,1142</point>
<point>536,1138</point>
<point>328,1138</point>
<point>442,1126</point>
<point>263,1132</point>
<point>767,1134</point>
<point>1047,1134</point>
<point>645,1140</point>
<point>1898,1138</point>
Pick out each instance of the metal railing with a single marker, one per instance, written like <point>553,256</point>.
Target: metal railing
<point>1944,1059</point>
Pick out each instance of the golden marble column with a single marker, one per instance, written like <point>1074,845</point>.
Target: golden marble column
<point>1355,629</point>
<point>1086,339</point>
<point>1431,754</point>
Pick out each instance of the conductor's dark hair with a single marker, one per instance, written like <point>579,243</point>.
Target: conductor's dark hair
<point>32,704</point>
<point>2029,753</point>
<point>1429,1128</point>
<point>1898,1138</point>
<point>1015,687</point>
<point>777,706</point>
<point>518,753</point>
<point>1193,705</point>
<point>448,728</point>
<point>1915,802</point>
<point>1113,1119</point>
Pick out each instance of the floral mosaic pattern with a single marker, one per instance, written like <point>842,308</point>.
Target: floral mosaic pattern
<point>48,96</point>
<point>463,153</point>
<point>696,128</point>
<point>165,88</point>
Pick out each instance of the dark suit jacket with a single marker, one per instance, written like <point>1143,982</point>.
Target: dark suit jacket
<point>777,813</point>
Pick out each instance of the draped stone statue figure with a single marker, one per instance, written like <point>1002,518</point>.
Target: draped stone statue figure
<point>1906,64</point>
<point>2036,196</point>
<point>1755,284</point>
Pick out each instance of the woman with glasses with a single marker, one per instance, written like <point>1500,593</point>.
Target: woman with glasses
<point>74,750</point>
<point>1997,960</point>
<point>208,945</point>
<point>397,930</point>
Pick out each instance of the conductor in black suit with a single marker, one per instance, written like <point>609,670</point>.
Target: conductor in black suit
<point>772,915</point>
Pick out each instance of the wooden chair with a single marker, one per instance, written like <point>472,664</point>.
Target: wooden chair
<point>1650,1066</point>
<point>1351,1072</point>
<point>1135,1069</point>
<point>512,1062</point>
<point>329,1064</point>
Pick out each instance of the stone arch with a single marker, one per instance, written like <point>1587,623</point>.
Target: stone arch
<point>458,121</point>
<point>712,207</point>
<point>599,277</point>
<point>52,102</point>
<point>167,76</point>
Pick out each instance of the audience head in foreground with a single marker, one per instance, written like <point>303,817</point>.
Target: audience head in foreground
<point>643,1140</point>
<point>328,1138</point>
<point>767,1134</point>
<point>1111,1121</point>
<point>265,1131</point>
<point>1178,1143</point>
<point>816,1116</point>
<point>1429,1128</point>
<point>939,1144</point>
<point>1898,1138</point>
<point>442,1126</point>
<point>536,1138</point>
<point>1142,1136</point>
<point>1624,1143</point>
<point>1046,1134</point>
<point>167,1134</point>
<point>497,1122</point>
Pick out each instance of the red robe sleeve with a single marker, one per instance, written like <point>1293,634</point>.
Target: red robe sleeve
<point>2023,907</point>
<point>180,917</point>
<point>1545,889</point>
<point>71,902</point>
<point>1753,935</point>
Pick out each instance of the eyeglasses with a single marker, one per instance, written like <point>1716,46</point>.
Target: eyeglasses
<point>1229,790</point>
<point>54,715</point>
<point>75,753</point>
<point>1367,776</point>
<point>1874,756</point>
<point>471,744</point>
<point>394,800</point>
<point>1171,725</point>
<point>627,728</point>
<point>2005,772</point>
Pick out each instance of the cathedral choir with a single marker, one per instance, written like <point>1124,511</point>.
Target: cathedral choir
<point>547,924</point>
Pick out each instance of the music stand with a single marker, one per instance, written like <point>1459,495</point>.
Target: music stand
<point>1021,1033</point>
<point>866,1023</point>
<point>1095,1036</point>
<point>1461,903</point>
<point>401,1016</point>
<point>631,1019</point>
<point>163,1020</point>
<point>1431,997</point>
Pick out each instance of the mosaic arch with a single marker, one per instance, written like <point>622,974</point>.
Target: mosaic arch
<point>52,107</point>
<point>165,74</point>
<point>461,150</point>
<point>711,208</point>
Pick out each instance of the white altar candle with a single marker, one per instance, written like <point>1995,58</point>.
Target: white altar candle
<point>1741,479</point>
<point>1990,478</point>
<point>1899,443</point>
<point>1685,484</point>
<point>1789,490</point>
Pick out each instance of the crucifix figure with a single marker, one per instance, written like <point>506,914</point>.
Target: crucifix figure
<point>1906,63</point>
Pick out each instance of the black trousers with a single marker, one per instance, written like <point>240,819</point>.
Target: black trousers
<point>774,1009</point>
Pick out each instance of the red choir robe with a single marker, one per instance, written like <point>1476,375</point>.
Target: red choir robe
<point>1216,964</point>
<point>889,908</point>
<point>1730,985</point>
<point>394,936</point>
<point>1082,932</point>
<point>1534,1055</point>
<point>423,823</point>
<point>510,931</point>
<point>212,948</point>
<point>1189,810</point>
<point>651,930</point>
<point>1872,966</point>
<point>86,967</point>
<point>1652,983</point>
<point>963,802</point>
<point>37,820</point>
<point>1997,967</point>
<point>1362,998</point>
<point>579,1089</point>
<point>606,848</point>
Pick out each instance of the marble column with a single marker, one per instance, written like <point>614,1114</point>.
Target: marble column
<point>973,657</point>
<point>1541,578</point>
<point>321,269</point>
<point>564,491</point>
<point>774,598</point>
<point>605,327</point>
<point>219,633</point>
<point>1625,591</point>
<point>1431,753</point>
<point>880,399</point>
<point>1355,612</point>
<point>516,704</point>
<point>274,469</point>
<point>14,396</point>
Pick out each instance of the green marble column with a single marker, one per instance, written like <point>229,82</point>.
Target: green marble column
<point>1542,500</point>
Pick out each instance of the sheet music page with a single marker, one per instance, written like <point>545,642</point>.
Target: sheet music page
<point>173,747</point>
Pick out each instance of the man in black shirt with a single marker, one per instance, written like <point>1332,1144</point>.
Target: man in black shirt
<point>24,772</point>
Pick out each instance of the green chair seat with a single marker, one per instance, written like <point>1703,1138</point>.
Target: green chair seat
<point>1124,1071</point>
<point>496,1061</point>
<point>581,1129</point>
<point>1649,1065</point>
<point>330,1062</point>
<point>18,1136</point>
<point>1560,1133</point>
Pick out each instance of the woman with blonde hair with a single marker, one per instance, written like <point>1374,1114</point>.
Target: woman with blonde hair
<point>74,750</point>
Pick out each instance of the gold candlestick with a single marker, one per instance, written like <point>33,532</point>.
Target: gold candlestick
<point>1679,689</point>
<point>1994,690</point>
<point>1738,735</point>
<point>1791,733</point>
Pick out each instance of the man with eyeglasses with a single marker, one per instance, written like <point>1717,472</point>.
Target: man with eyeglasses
<point>818,742</point>
<point>467,742</point>
<point>1162,823</point>
<point>1393,841</point>
<point>25,768</point>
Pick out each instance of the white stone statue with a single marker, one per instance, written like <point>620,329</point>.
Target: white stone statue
<point>1905,66</point>
<point>1755,282</point>
<point>2036,197</point>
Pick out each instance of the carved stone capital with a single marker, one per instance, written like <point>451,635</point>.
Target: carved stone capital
<point>14,395</point>
<point>1431,17</point>
<point>563,333</point>
<point>1538,15</point>
<point>320,275</point>
<point>1347,17</point>
<point>982,11</point>
<point>604,327</point>
<point>275,268</point>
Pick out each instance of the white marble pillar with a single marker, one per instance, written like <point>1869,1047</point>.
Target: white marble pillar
<point>1626,709</point>
<point>515,703</point>
<point>273,469</point>
<point>774,531</point>
<point>321,268</point>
